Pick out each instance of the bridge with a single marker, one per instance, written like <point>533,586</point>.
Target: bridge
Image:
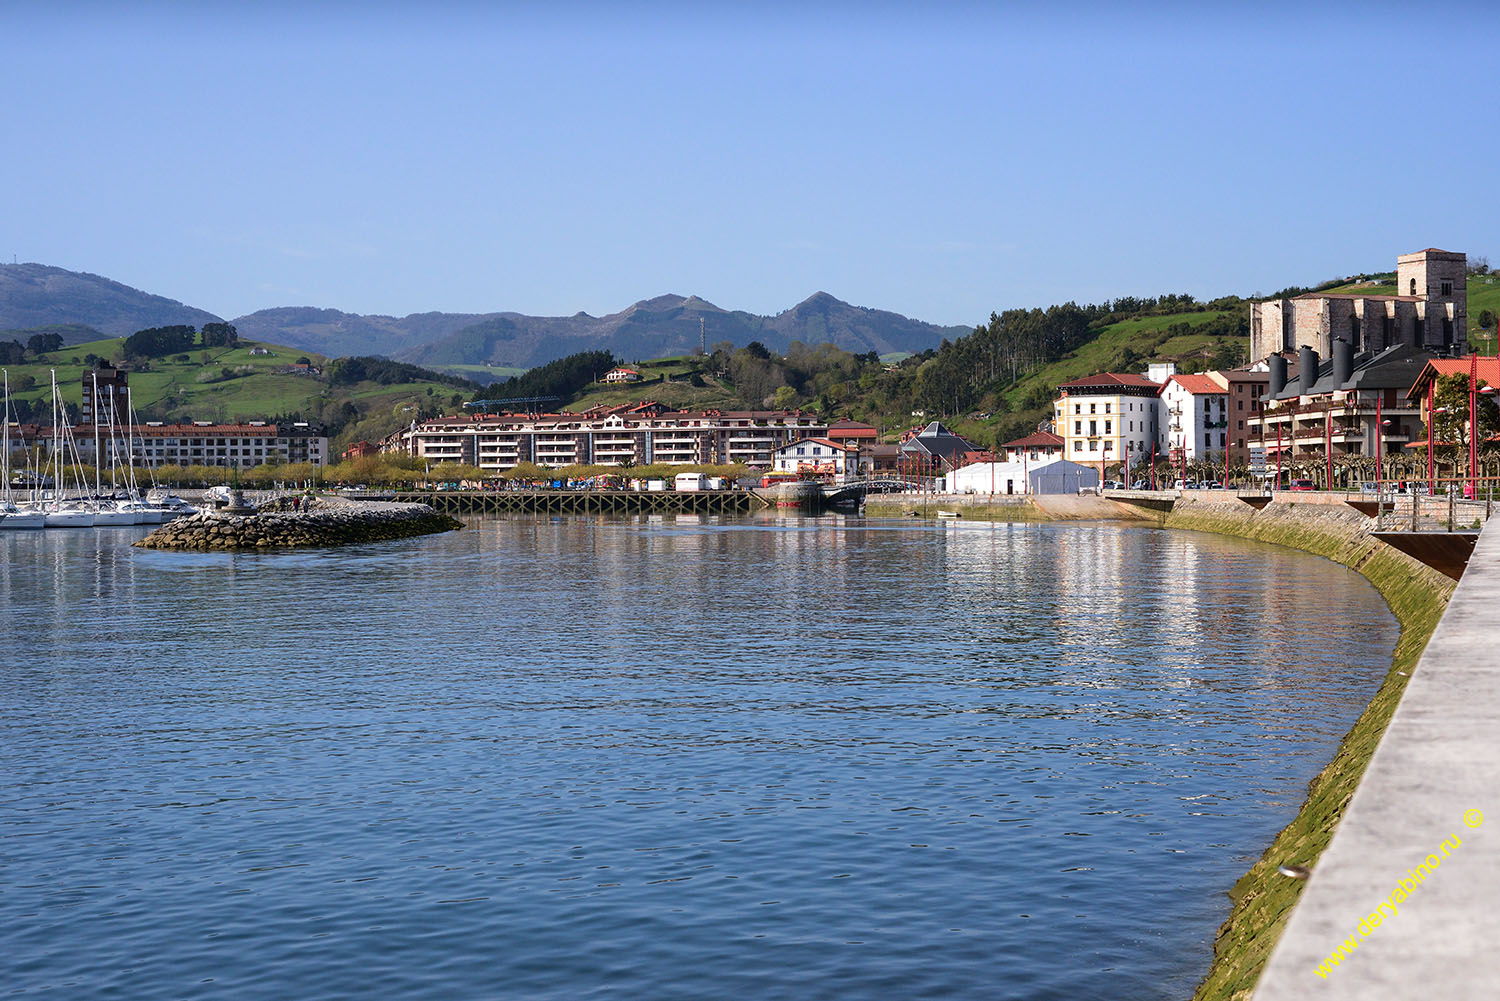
<point>853,493</point>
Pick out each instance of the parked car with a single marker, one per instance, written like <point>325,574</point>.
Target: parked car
<point>1140,485</point>
<point>1113,485</point>
<point>1302,485</point>
<point>1185,485</point>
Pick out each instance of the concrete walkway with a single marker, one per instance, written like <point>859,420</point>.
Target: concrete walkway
<point>1439,758</point>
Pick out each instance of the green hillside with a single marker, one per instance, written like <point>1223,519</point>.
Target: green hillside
<point>668,381</point>
<point>227,384</point>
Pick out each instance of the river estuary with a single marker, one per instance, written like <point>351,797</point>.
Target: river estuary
<point>657,759</point>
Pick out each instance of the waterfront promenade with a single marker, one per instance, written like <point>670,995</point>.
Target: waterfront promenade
<point>1436,763</point>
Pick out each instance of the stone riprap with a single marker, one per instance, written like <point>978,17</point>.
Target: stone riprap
<point>322,523</point>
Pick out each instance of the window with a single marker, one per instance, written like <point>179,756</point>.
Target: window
<point>1109,427</point>
<point>1093,408</point>
<point>1447,288</point>
<point>1413,287</point>
<point>1078,446</point>
<point>1093,446</point>
<point>1078,408</point>
<point>1106,407</point>
<point>1093,428</point>
<point>1078,427</point>
<point>1239,404</point>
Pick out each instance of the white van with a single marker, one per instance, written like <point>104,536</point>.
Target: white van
<point>690,482</point>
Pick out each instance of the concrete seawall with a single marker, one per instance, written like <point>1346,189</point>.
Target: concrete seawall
<point>329,523</point>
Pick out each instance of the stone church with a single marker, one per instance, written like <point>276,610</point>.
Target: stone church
<point>1429,312</point>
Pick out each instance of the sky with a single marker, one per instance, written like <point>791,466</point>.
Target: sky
<point>941,160</point>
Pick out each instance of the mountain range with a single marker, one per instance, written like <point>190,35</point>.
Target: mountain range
<point>35,295</point>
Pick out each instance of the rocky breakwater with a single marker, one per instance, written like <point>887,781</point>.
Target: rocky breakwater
<point>318,523</point>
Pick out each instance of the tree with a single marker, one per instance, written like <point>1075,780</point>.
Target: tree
<point>40,344</point>
<point>1450,420</point>
<point>220,335</point>
<point>157,342</point>
<point>784,399</point>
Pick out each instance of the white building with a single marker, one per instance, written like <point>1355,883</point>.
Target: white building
<point>1048,476</point>
<point>621,374</point>
<point>817,458</point>
<point>1195,418</point>
<point>1111,417</point>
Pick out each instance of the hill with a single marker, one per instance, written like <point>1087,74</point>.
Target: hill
<point>226,384</point>
<point>331,332</point>
<point>652,328</point>
<point>35,296</point>
<point>38,295</point>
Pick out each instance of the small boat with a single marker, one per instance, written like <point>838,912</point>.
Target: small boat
<point>948,514</point>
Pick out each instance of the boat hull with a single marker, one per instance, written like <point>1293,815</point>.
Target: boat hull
<point>70,519</point>
<point>22,520</point>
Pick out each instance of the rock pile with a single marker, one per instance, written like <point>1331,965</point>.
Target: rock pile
<point>323,524</point>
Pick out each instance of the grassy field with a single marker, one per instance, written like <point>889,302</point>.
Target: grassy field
<point>193,387</point>
<point>479,373</point>
<point>666,381</point>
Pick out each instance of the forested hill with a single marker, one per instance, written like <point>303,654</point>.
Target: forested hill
<point>38,295</point>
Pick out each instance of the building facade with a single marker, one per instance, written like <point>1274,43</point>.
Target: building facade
<point>1034,447</point>
<point>1428,313</point>
<point>1112,417</point>
<point>241,446</point>
<point>1195,418</point>
<point>1244,389</point>
<point>630,435</point>
<point>105,393</point>
<point>1353,404</point>
<point>818,459</point>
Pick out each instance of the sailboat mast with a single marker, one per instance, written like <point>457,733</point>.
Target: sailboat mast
<point>5,456</point>
<point>98,458</point>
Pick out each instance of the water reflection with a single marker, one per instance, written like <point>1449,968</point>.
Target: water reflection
<point>669,757</point>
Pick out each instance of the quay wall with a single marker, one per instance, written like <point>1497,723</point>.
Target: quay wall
<point>328,523</point>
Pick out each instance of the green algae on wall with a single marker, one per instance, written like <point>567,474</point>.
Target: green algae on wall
<point>1417,595</point>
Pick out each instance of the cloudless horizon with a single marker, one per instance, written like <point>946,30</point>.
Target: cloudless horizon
<point>942,162</point>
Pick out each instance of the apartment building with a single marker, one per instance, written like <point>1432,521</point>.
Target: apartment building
<point>628,435</point>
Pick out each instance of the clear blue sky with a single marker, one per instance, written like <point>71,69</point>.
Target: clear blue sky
<point>939,160</point>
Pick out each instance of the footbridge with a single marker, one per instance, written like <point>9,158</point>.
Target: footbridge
<point>853,493</point>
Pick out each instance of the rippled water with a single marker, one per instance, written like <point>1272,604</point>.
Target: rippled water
<point>657,759</point>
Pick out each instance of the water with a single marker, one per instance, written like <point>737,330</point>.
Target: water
<point>561,759</point>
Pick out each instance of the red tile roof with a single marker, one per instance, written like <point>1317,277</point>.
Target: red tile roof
<point>1198,384</point>
<point>1037,439</point>
<point>1489,373</point>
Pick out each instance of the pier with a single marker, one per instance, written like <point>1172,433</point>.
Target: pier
<point>587,502</point>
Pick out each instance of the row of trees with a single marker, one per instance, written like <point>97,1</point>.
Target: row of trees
<point>14,352</point>
<point>158,342</point>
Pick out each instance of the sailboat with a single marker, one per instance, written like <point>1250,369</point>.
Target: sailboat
<point>62,512</point>
<point>110,512</point>
<point>11,515</point>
